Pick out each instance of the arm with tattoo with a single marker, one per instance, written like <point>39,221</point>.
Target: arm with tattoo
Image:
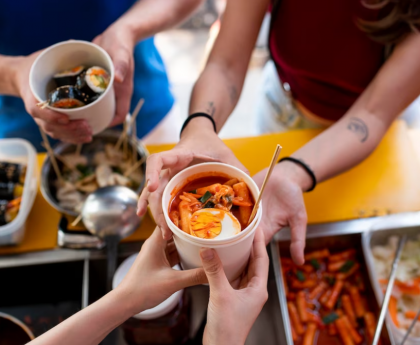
<point>342,146</point>
<point>356,135</point>
<point>217,90</point>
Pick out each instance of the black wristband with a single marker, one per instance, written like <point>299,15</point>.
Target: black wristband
<point>305,167</point>
<point>198,115</point>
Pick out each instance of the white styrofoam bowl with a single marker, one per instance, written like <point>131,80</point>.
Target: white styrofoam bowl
<point>234,251</point>
<point>65,55</point>
<point>22,152</point>
<point>153,313</point>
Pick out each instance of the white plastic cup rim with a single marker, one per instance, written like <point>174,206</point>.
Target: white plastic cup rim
<point>70,42</point>
<point>211,243</point>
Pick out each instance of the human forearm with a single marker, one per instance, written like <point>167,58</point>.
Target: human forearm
<point>356,135</point>
<point>91,325</point>
<point>8,72</point>
<point>148,17</point>
<point>339,148</point>
<point>216,93</point>
<point>217,90</point>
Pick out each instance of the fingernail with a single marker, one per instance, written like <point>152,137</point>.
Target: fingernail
<point>207,254</point>
<point>63,121</point>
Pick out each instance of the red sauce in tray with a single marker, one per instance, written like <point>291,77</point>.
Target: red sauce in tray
<point>327,300</point>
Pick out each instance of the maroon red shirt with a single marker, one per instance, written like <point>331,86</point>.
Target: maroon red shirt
<point>319,50</point>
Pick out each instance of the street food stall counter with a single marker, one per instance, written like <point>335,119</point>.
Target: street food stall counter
<point>339,212</point>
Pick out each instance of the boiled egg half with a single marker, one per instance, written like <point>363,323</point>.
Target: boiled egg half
<point>211,223</point>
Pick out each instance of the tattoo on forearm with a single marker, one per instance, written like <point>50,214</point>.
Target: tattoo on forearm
<point>358,127</point>
<point>211,109</point>
<point>233,93</point>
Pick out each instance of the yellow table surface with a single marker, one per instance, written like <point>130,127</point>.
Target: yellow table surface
<point>387,182</point>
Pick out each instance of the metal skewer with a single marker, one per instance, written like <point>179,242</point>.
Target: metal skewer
<point>407,333</point>
<point>385,302</point>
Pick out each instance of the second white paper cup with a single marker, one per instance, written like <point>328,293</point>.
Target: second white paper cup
<point>65,55</point>
<point>234,252</point>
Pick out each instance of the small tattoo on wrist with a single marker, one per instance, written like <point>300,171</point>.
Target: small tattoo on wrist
<point>211,109</point>
<point>359,128</point>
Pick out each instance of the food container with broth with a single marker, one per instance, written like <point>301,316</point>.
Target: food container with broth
<point>209,205</point>
<point>212,206</point>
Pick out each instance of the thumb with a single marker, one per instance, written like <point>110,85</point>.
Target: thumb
<point>213,269</point>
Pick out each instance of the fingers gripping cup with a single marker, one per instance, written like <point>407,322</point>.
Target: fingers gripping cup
<point>209,205</point>
<point>69,56</point>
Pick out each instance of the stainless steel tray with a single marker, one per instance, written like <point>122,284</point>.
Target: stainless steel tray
<point>48,176</point>
<point>324,238</point>
<point>378,234</point>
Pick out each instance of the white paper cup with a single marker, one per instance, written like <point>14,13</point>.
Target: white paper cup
<point>65,55</point>
<point>233,251</point>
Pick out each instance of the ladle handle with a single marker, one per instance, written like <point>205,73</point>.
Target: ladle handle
<point>112,254</point>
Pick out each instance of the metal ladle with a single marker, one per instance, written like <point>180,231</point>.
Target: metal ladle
<point>110,214</point>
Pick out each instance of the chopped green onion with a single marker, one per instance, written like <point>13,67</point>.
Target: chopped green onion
<point>194,191</point>
<point>338,304</point>
<point>117,170</point>
<point>84,169</point>
<point>330,318</point>
<point>209,205</point>
<point>347,266</point>
<point>205,197</point>
<point>81,167</point>
<point>315,263</point>
<point>330,280</point>
<point>300,276</point>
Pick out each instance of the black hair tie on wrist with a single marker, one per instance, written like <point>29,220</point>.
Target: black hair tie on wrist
<point>198,115</point>
<point>305,167</point>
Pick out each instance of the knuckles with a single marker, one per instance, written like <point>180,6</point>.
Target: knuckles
<point>213,268</point>
<point>302,216</point>
<point>33,111</point>
<point>198,277</point>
